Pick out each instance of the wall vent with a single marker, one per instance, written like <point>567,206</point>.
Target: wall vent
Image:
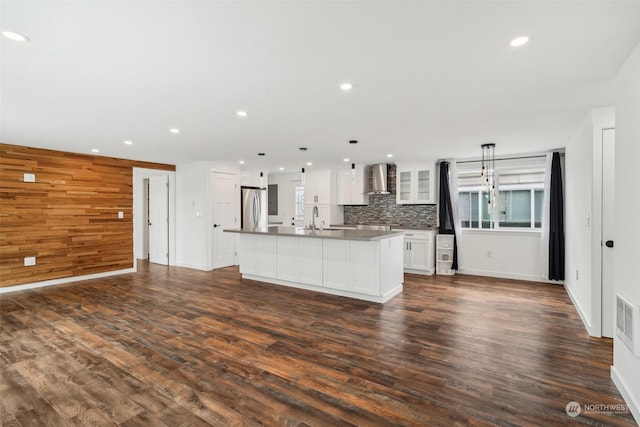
<point>628,324</point>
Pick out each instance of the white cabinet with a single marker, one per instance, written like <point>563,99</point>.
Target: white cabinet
<point>351,190</point>
<point>415,184</point>
<point>444,254</point>
<point>299,260</point>
<point>319,187</point>
<point>370,270</point>
<point>419,251</point>
<point>258,255</point>
<point>352,266</point>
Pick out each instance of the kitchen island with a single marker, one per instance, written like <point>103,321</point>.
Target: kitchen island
<point>362,264</point>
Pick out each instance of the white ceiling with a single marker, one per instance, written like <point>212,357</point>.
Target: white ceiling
<point>432,79</point>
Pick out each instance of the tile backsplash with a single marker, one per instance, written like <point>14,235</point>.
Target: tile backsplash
<point>382,209</point>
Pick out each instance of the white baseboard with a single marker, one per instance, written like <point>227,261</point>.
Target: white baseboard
<point>582,314</point>
<point>53,282</point>
<point>633,404</point>
<point>502,275</point>
<point>193,266</point>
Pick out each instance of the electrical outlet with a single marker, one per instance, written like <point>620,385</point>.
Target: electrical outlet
<point>29,177</point>
<point>29,261</point>
<point>120,215</point>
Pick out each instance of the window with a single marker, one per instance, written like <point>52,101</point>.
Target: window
<point>299,203</point>
<point>518,204</point>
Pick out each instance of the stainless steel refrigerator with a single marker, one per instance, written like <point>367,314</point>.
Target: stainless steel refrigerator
<point>254,207</point>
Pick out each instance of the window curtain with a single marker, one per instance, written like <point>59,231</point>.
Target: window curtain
<point>544,235</point>
<point>448,207</point>
<point>556,221</point>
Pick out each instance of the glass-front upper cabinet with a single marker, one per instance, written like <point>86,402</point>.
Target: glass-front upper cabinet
<point>415,184</point>
<point>403,192</point>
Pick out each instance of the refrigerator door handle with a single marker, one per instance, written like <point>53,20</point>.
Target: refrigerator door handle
<point>255,210</point>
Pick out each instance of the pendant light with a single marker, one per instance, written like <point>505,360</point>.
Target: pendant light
<point>488,174</point>
<point>353,173</point>
<point>302,176</point>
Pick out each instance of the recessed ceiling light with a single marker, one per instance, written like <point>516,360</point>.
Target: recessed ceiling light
<point>519,41</point>
<point>346,160</point>
<point>346,86</point>
<point>389,155</point>
<point>353,141</point>
<point>309,163</point>
<point>174,130</point>
<point>302,148</point>
<point>16,37</point>
<point>281,169</point>
<point>242,113</point>
<point>241,162</point>
<point>127,142</point>
<point>95,150</point>
<point>261,154</point>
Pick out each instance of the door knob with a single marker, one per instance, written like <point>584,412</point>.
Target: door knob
<point>609,243</point>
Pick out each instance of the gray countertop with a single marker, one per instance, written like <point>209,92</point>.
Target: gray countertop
<point>393,227</point>
<point>368,235</point>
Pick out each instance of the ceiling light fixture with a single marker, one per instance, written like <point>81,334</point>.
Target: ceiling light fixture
<point>281,168</point>
<point>95,150</point>
<point>261,154</point>
<point>127,142</point>
<point>174,130</point>
<point>519,41</point>
<point>353,141</point>
<point>346,86</point>
<point>241,113</point>
<point>346,160</point>
<point>16,37</point>
<point>389,155</point>
<point>309,163</point>
<point>488,175</point>
<point>241,162</point>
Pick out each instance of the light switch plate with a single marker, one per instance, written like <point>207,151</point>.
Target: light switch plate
<point>29,177</point>
<point>29,261</point>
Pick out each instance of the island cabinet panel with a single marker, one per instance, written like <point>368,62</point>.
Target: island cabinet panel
<point>336,272</point>
<point>310,261</point>
<point>288,258</point>
<point>299,260</point>
<point>364,266</point>
<point>258,255</point>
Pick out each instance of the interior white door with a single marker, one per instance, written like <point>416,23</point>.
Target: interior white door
<point>159,219</point>
<point>224,198</point>
<point>608,224</point>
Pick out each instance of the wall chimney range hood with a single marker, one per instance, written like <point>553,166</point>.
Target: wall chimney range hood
<point>379,179</point>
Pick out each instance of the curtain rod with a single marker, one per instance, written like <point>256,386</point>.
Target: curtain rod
<point>508,158</point>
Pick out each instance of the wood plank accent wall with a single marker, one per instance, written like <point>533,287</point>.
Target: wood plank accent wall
<point>68,218</point>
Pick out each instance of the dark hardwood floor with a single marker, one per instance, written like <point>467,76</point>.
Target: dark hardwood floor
<point>178,347</point>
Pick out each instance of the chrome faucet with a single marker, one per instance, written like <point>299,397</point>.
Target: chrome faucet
<point>314,215</point>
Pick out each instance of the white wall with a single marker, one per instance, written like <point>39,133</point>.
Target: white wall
<point>583,217</point>
<point>626,366</point>
<point>287,183</point>
<point>514,254</point>
<point>194,213</point>
<point>139,174</point>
